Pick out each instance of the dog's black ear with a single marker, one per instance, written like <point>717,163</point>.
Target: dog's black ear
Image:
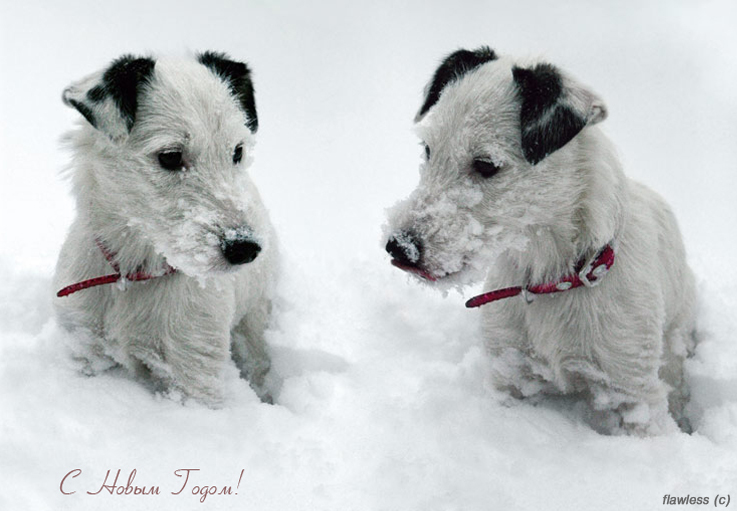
<point>451,69</point>
<point>554,109</point>
<point>238,77</point>
<point>108,99</point>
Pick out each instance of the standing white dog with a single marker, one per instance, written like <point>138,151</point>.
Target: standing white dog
<point>169,266</point>
<point>519,184</point>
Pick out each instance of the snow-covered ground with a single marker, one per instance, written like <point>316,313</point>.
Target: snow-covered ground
<point>385,402</point>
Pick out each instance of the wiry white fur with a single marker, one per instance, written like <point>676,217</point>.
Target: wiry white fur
<point>177,330</point>
<point>621,344</point>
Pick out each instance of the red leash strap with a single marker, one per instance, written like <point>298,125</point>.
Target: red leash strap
<point>97,281</point>
<point>113,277</point>
<point>588,275</point>
<point>492,296</point>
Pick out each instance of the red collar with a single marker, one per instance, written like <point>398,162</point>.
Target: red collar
<point>113,277</point>
<point>588,273</point>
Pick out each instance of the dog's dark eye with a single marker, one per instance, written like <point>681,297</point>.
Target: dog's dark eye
<point>171,160</point>
<point>485,168</point>
<point>427,151</point>
<point>238,154</point>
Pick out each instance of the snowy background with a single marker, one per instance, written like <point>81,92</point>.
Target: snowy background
<point>385,402</point>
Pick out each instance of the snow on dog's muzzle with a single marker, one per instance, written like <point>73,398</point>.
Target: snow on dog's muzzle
<point>406,251</point>
<point>239,246</point>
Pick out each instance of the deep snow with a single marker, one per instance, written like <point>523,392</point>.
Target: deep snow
<point>385,401</point>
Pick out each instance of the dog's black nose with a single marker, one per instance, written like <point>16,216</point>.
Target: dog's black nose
<point>240,251</point>
<point>405,248</point>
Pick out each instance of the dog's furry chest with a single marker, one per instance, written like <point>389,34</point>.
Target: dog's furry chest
<point>562,340</point>
<point>568,337</point>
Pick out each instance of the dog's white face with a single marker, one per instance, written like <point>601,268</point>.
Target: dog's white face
<point>168,158</point>
<point>497,165</point>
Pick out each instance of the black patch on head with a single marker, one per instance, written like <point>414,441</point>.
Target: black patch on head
<point>546,124</point>
<point>122,81</point>
<point>85,111</point>
<point>541,88</point>
<point>238,77</point>
<point>454,67</point>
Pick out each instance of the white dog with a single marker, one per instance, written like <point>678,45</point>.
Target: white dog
<point>166,209</point>
<point>519,184</point>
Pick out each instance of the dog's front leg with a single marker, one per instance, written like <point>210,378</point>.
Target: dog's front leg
<point>175,332</point>
<point>642,412</point>
<point>629,385</point>
<point>249,348</point>
<point>515,370</point>
<point>196,363</point>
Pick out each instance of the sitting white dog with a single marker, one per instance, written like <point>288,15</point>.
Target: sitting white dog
<point>519,185</point>
<point>169,266</point>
